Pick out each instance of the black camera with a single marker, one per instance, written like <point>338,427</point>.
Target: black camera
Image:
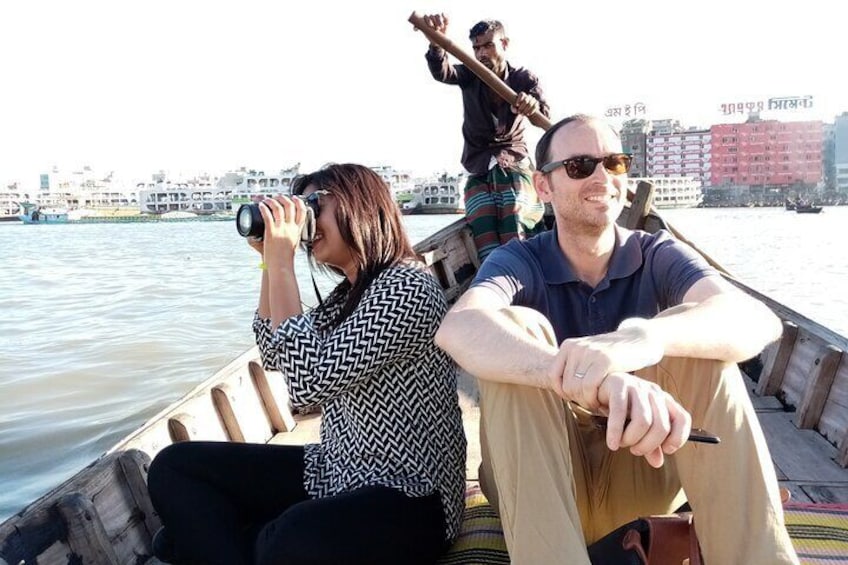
<point>249,222</point>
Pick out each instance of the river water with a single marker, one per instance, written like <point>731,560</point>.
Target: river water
<point>104,325</point>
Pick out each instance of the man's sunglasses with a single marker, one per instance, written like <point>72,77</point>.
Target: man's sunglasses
<point>583,166</point>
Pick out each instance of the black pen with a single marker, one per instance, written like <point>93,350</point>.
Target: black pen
<point>695,434</point>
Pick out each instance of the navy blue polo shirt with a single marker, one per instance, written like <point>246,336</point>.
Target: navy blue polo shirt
<point>647,274</point>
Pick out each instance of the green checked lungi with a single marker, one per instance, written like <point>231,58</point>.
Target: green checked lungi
<point>501,205</point>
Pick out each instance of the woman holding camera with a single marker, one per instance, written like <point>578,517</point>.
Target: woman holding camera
<point>386,482</point>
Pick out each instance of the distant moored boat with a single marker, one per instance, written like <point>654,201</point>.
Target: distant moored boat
<point>33,214</point>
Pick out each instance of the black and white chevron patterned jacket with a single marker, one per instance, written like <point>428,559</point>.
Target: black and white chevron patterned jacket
<point>390,410</point>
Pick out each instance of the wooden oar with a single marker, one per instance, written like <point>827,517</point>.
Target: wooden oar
<point>537,118</point>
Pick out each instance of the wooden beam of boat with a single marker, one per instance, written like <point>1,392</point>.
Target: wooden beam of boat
<point>491,79</point>
<point>537,118</point>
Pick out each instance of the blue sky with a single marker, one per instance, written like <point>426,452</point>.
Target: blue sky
<point>188,85</point>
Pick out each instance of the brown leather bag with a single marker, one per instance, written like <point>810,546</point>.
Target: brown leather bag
<point>653,540</point>
<point>672,541</point>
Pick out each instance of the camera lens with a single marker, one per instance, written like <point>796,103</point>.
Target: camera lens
<point>249,222</point>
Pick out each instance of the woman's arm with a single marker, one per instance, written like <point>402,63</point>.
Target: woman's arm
<point>397,316</point>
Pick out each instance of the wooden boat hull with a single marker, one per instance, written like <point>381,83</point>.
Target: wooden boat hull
<point>104,515</point>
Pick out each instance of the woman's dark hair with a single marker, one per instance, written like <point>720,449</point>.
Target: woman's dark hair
<point>369,221</point>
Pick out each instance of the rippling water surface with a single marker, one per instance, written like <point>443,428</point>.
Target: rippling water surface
<point>104,325</point>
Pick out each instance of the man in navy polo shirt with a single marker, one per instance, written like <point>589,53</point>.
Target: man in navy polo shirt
<point>648,334</point>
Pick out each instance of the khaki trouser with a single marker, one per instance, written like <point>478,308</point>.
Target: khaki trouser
<point>557,486</point>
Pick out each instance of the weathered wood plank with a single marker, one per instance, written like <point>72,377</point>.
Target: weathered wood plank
<point>818,388</point>
<point>833,423</point>
<point>34,535</point>
<point>640,207</point>
<point>87,537</point>
<point>180,427</point>
<point>842,459</point>
<point>429,258</point>
<point>827,494</point>
<point>799,370</point>
<point>767,404</point>
<point>274,399</point>
<point>123,520</point>
<point>470,248</point>
<point>802,455</point>
<point>455,271</point>
<point>135,465</point>
<point>223,398</point>
<point>772,376</point>
<point>246,406</point>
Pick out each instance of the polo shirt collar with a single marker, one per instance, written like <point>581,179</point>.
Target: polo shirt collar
<point>626,258</point>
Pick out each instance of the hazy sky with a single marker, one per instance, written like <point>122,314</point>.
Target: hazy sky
<point>213,85</point>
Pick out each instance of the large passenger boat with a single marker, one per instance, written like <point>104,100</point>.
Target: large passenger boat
<point>249,185</point>
<point>199,195</point>
<point>442,195</point>
<point>672,192</point>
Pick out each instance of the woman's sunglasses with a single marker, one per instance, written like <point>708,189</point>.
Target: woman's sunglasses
<point>313,200</point>
<point>583,166</point>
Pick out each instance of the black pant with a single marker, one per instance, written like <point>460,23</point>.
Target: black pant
<point>236,503</point>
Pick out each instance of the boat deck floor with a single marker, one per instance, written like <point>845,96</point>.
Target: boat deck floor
<point>805,461</point>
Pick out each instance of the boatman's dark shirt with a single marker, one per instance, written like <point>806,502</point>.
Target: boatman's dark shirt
<point>647,273</point>
<point>485,131</point>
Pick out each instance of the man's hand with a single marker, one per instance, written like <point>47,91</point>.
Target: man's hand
<point>583,363</point>
<point>525,104</point>
<point>643,417</point>
<point>437,22</point>
<point>506,160</point>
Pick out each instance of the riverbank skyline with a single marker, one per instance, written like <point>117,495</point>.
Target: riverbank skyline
<point>195,86</point>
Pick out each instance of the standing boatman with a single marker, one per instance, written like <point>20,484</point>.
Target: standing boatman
<point>500,201</point>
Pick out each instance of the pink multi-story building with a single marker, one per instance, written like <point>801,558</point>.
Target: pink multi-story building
<point>767,153</point>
